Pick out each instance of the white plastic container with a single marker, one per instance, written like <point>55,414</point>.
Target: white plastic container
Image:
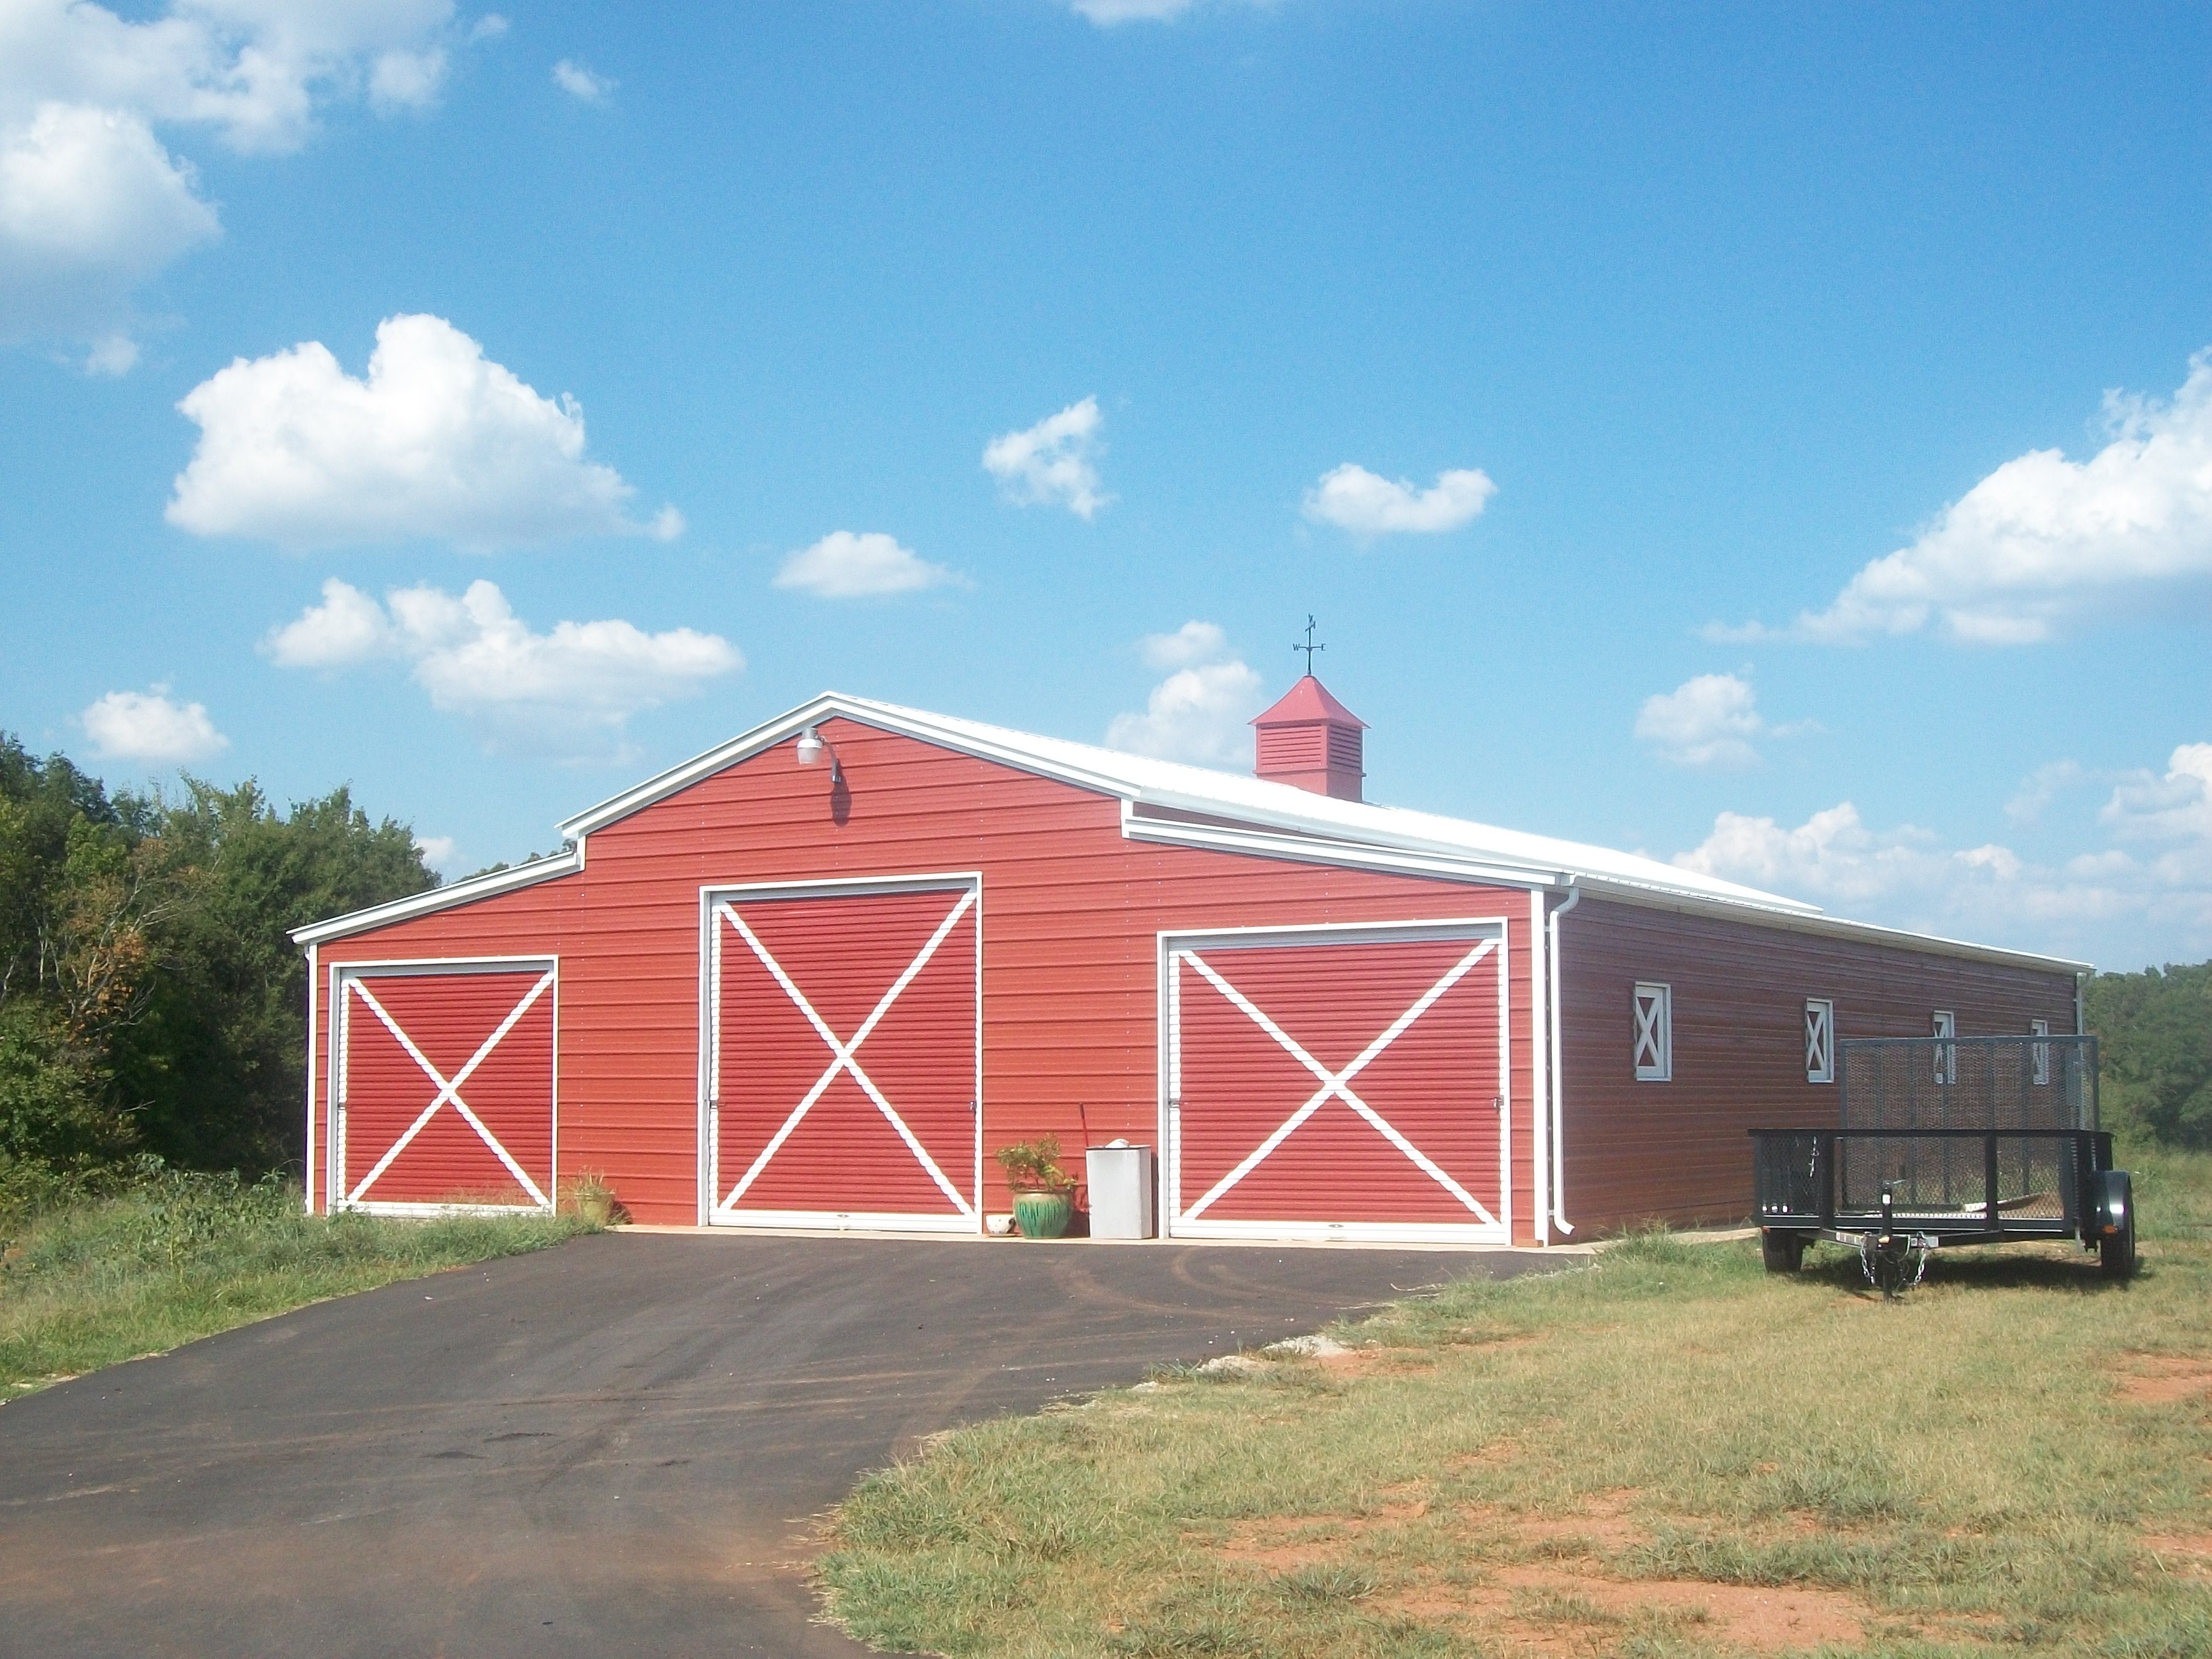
<point>1121,1187</point>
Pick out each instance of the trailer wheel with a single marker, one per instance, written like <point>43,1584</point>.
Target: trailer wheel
<point>1783,1253</point>
<point>2116,1252</point>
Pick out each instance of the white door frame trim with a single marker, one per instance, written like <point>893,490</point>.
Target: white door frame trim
<point>718,921</point>
<point>1488,934</point>
<point>341,1194</point>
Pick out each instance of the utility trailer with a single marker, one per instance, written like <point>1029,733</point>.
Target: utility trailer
<point>1946,1141</point>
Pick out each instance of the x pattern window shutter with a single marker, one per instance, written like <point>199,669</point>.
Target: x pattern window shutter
<point>1655,1033</point>
<point>1820,1040</point>
<point>1946,1024</point>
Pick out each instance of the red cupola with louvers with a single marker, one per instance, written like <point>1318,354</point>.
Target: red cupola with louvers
<point>1312,740</point>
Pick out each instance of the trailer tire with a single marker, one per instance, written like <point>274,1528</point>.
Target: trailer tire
<point>1783,1253</point>
<point>2116,1252</point>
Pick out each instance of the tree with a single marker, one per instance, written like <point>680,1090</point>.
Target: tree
<point>214,1069</point>
<point>2155,1037</point>
<point>150,995</point>
<point>79,896</point>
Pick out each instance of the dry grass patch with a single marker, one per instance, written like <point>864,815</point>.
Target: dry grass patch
<point>2162,1379</point>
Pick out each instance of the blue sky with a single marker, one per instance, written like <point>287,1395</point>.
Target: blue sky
<point>1766,437</point>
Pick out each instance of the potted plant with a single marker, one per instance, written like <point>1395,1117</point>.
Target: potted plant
<point>1044,1193</point>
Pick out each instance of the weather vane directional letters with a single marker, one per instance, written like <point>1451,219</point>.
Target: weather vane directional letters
<point>1308,647</point>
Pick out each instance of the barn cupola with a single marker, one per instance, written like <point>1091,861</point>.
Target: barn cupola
<point>1312,740</point>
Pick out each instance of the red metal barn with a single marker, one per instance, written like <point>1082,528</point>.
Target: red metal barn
<point>816,976</point>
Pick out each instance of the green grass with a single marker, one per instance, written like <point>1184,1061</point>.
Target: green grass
<point>88,1279</point>
<point>1631,1458</point>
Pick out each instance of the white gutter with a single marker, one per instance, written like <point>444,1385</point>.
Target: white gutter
<point>1557,1216</point>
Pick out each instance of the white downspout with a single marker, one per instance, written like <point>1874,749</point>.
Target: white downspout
<point>307,1168</point>
<point>1539,1094</point>
<point>1557,1146</point>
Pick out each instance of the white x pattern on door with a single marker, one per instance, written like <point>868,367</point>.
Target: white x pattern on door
<point>449,1089</point>
<point>842,1054</point>
<point>1339,1084</point>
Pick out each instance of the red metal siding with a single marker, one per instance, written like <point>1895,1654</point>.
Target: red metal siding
<point>503,1081</point>
<point>798,1129</point>
<point>1435,1082</point>
<point>1677,1150</point>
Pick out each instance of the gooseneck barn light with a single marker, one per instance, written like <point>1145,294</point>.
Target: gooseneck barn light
<point>812,746</point>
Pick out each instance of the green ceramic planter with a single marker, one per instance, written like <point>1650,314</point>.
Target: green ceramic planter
<point>1042,1215</point>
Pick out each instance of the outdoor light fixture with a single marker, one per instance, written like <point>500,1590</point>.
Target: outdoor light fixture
<point>812,746</point>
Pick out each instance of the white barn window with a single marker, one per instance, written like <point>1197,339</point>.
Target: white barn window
<point>2041,1052</point>
<point>1820,1040</point>
<point>1946,1057</point>
<point>1655,1033</point>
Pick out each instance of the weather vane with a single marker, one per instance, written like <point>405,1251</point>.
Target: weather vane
<point>1308,647</point>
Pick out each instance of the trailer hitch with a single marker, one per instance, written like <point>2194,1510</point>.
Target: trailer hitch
<point>1893,1262</point>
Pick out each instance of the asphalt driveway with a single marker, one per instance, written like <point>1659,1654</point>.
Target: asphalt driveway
<point>610,1447</point>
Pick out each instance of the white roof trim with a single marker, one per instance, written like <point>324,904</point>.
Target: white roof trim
<point>566,862</point>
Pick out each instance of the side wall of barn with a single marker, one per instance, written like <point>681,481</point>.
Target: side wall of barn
<point>1071,914</point>
<point>1677,1150</point>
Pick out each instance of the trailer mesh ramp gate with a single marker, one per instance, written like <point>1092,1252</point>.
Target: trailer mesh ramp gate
<point>1964,1126</point>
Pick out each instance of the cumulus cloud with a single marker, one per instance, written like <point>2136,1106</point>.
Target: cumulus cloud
<point>149,726</point>
<point>1201,711</point>
<point>846,566</point>
<point>2044,541</point>
<point>2176,807</point>
<point>2151,903</point>
<point>1194,641</point>
<point>1710,719</point>
<point>1368,504</point>
<point>1054,462</point>
<point>580,83</point>
<point>438,851</point>
<point>570,692</point>
<point>92,203</point>
<point>437,441</point>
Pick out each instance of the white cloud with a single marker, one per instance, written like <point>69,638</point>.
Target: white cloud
<point>489,26</point>
<point>1352,498</point>
<point>2175,807</point>
<point>347,629</point>
<point>580,83</point>
<point>437,441</point>
<point>2042,786</point>
<point>1199,713</point>
<point>1053,462</point>
<point>846,566</point>
<point>1709,721</point>
<point>2101,902</point>
<point>93,204</point>
<point>1831,858</point>
<point>568,692</point>
<point>1194,641</point>
<point>2043,543</point>
<point>148,725</point>
<point>437,852</point>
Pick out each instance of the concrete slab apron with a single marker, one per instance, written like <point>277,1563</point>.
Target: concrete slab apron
<point>614,1447</point>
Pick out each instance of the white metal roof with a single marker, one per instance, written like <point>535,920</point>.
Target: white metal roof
<point>1238,813</point>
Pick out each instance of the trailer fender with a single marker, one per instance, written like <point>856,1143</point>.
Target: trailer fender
<point>2113,1204</point>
